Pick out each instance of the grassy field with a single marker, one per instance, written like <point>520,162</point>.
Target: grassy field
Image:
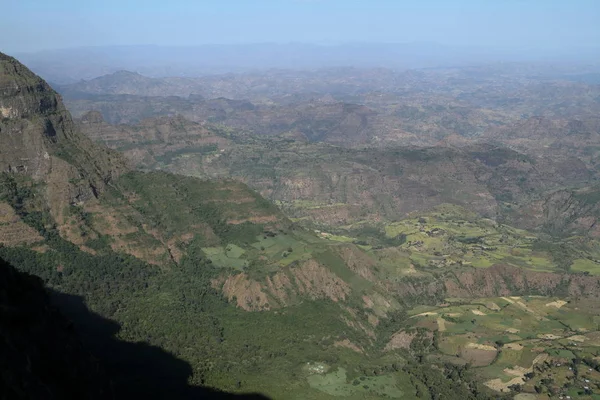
<point>227,257</point>
<point>585,265</point>
<point>336,383</point>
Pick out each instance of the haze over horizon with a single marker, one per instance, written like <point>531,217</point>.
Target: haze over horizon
<point>516,25</point>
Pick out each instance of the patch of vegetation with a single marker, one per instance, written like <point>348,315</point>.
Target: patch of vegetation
<point>586,266</point>
<point>560,253</point>
<point>229,257</point>
<point>169,157</point>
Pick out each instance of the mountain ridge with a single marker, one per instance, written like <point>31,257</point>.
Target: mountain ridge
<point>65,64</point>
<point>341,186</point>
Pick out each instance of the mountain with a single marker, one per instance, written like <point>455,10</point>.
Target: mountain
<point>42,148</point>
<point>125,82</point>
<point>417,298</point>
<point>198,258</point>
<point>358,107</point>
<point>334,186</point>
<point>478,114</point>
<point>38,131</point>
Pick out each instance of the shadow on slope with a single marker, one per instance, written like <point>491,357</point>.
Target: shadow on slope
<point>42,355</point>
<point>137,370</point>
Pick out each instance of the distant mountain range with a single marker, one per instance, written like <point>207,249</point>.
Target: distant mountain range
<point>70,65</point>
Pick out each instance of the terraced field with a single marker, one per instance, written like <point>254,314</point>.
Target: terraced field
<point>13,231</point>
<point>532,344</point>
<point>450,236</point>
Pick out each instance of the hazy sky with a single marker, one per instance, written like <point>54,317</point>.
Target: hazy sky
<point>29,25</point>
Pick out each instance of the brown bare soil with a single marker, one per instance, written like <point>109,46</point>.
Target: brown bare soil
<point>478,357</point>
<point>349,345</point>
<point>246,293</point>
<point>358,261</point>
<point>310,279</point>
<point>13,231</point>
<point>400,340</point>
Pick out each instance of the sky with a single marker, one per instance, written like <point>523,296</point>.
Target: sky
<point>32,25</point>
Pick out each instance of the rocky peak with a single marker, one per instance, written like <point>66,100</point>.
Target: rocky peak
<point>22,93</point>
<point>33,120</point>
<point>35,126</point>
<point>38,139</point>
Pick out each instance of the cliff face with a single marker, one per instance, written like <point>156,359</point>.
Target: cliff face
<point>39,141</point>
<point>38,138</point>
<point>31,123</point>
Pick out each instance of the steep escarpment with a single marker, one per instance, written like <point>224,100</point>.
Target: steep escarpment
<point>47,166</point>
<point>39,140</point>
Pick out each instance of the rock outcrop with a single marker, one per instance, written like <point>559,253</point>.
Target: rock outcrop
<point>38,139</point>
<point>40,143</point>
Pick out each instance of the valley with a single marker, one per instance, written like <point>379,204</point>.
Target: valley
<point>343,237</point>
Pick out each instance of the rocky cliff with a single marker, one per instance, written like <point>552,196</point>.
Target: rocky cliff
<point>38,139</point>
<point>41,149</point>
